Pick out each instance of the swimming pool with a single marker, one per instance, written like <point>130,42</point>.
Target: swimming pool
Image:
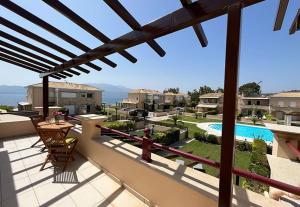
<point>248,132</point>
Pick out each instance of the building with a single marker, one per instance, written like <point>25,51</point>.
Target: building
<point>287,103</point>
<point>211,102</point>
<point>175,99</point>
<point>151,100</point>
<point>78,98</point>
<point>254,105</point>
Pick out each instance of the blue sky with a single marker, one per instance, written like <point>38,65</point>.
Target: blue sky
<point>267,56</point>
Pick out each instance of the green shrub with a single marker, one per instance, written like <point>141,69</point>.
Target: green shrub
<point>7,108</point>
<point>259,165</point>
<point>168,137</point>
<point>121,126</point>
<point>213,139</point>
<point>243,146</point>
<point>200,136</point>
<point>270,117</point>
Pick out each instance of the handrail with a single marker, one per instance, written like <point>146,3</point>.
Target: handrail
<point>271,182</point>
<point>293,149</point>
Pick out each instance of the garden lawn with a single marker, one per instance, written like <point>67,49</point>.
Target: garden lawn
<point>199,120</point>
<point>213,152</point>
<point>192,127</point>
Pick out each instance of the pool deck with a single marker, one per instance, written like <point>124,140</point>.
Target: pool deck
<point>205,126</point>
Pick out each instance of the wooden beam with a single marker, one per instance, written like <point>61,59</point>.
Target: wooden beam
<point>283,4</point>
<point>23,66</point>
<point>197,27</point>
<point>38,68</point>
<point>67,12</point>
<point>40,58</point>
<point>296,23</point>
<point>133,23</point>
<point>37,49</point>
<point>45,97</point>
<point>41,23</point>
<point>230,102</point>
<point>24,58</point>
<point>199,11</point>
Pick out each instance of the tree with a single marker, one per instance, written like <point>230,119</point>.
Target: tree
<point>194,97</point>
<point>219,90</point>
<point>250,89</point>
<point>172,90</point>
<point>175,119</point>
<point>205,89</point>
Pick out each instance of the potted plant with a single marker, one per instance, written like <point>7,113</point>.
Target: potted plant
<point>57,115</point>
<point>64,112</point>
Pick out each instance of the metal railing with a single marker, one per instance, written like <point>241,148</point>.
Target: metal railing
<point>148,145</point>
<point>293,149</point>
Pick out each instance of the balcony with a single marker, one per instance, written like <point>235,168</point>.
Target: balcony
<point>107,172</point>
<point>260,107</point>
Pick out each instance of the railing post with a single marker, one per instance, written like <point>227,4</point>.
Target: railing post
<point>146,146</point>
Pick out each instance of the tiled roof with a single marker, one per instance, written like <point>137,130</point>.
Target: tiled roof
<point>145,91</point>
<point>287,94</point>
<point>65,85</point>
<point>212,95</point>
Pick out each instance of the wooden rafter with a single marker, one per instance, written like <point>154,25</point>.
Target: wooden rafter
<point>296,23</point>
<point>133,23</point>
<point>60,7</point>
<point>199,11</point>
<point>37,49</point>
<point>41,23</point>
<point>283,4</point>
<point>197,27</point>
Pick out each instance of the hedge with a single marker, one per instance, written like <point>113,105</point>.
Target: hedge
<point>209,138</point>
<point>120,125</point>
<point>167,137</point>
<point>259,165</point>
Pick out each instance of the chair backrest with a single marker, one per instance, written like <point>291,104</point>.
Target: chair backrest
<point>52,138</point>
<point>36,119</point>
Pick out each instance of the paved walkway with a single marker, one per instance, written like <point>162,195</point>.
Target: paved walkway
<point>82,184</point>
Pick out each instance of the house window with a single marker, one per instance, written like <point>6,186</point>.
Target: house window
<point>258,103</point>
<point>68,95</point>
<point>293,104</point>
<point>89,95</point>
<point>83,95</point>
<point>249,103</point>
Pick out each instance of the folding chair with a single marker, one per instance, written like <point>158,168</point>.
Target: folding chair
<point>35,120</point>
<point>60,148</point>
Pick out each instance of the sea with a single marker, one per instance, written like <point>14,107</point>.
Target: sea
<point>12,99</point>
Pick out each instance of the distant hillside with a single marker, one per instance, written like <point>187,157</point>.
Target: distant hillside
<point>4,89</point>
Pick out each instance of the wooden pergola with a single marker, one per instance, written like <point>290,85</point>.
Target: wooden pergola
<point>192,14</point>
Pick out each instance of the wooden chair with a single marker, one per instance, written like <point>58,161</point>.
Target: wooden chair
<point>60,148</point>
<point>35,120</point>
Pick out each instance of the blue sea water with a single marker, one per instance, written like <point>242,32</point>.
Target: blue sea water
<point>248,132</point>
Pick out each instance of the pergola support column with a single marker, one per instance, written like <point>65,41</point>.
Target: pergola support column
<point>229,106</point>
<point>45,96</point>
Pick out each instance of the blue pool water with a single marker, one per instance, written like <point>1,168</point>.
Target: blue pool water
<point>248,132</point>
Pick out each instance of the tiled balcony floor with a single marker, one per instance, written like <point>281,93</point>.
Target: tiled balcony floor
<point>82,184</point>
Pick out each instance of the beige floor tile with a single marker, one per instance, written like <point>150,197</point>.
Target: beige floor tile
<point>89,171</point>
<point>10,188</point>
<point>25,199</point>
<point>105,185</point>
<point>49,193</point>
<point>103,204</point>
<point>126,199</point>
<point>85,196</point>
<point>66,201</point>
<point>41,178</point>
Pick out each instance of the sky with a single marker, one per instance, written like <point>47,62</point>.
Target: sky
<point>265,55</point>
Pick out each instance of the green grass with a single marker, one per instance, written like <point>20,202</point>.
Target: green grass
<point>192,127</point>
<point>212,152</point>
<point>199,120</point>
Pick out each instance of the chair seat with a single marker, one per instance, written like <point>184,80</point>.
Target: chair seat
<point>68,140</point>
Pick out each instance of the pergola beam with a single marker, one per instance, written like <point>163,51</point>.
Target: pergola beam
<point>197,27</point>
<point>40,39</point>
<point>283,4</point>
<point>37,49</point>
<point>38,68</point>
<point>23,66</point>
<point>45,97</point>
<point>296,23</point>
<point>133,23</point>
<point>40,58</point>
<point>64,10</point>
<point>32,61</point>
<point>199,11</point>
<point>41,23</point>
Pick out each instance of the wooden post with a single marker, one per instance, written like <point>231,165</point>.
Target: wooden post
<point>146,146</point>
<point>229,107</point>
<point>45,96</point>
